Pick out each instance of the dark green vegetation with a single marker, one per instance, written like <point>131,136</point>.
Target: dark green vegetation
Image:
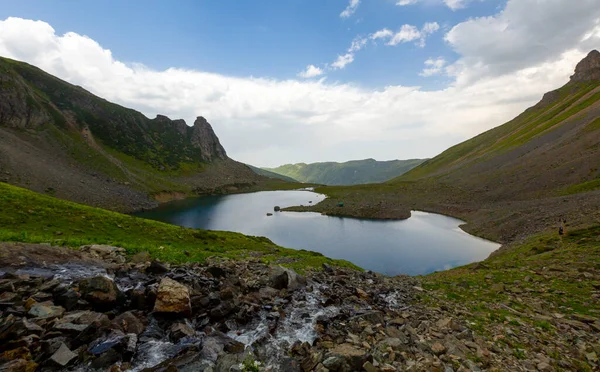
<point>349,173</point>
<point>59,137</point>
<point>33,218</point>
<point>510,182</point>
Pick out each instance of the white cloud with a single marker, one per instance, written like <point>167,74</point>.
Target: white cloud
<point>382,34</point>
<point>268,122</point>
<point>433,67</point>
<point>513,39</point>
<point>350,9</point>
<point>406,2</point>
<point>407,33</point>
<point>452,4</point>
<point>456,4</point>
<point>342,61</point>
<point>357,44</point>
<point>311,71</point>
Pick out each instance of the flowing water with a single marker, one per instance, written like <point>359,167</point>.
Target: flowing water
<point>424,243</point>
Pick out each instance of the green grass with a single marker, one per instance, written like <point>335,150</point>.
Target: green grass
<point>546,269</point>
<point>582,187</point>
<point>34,218</point>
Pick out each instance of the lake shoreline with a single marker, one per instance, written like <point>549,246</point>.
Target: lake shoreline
<point>424,243</point>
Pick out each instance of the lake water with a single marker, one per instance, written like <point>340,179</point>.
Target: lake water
<point>424,243</point>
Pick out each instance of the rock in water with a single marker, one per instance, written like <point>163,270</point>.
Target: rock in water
<point>100,291</point>
<point>284,278</point>
<point>173,297</point>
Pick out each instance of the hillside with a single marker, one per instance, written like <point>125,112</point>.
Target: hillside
<point>349,173</point>
<point>60,139</point>
<point>511,181</point>
<point>266,173</point>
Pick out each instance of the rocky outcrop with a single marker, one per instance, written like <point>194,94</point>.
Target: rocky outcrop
<point>340,320</point>
<point>588,69</point>
<point>204,138</point>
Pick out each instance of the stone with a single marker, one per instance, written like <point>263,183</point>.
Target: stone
<point>70,327</point>
<point>369,367</point>
<point>362,294</point>
<point>584,318</point>
<point>141,257</point>
<point>157,267</point>
<point>172,297</point>
<point>497,288</point>
<point>19,365</point>
<point>179,331</point>
<point>32,327</point>
<point>63,355</point>
<point>129,323</point>
<point>46,310</point>
<point>102,250</point>
<point>352,356</point>
<point>544,367</point>
<point>284,278</point>
<point>438,348</point>
<point>100,291</point>
<point>217,272</point>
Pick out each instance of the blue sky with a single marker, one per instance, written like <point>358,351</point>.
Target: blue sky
<point>295,81</point>
<point>266,38</point>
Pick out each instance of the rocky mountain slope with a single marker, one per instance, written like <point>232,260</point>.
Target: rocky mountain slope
<point>59,138</point>
<point>348,173</point>
<point>509,182</point>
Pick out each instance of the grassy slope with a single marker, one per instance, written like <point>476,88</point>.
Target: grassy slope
<point>266,173</point>
<point>348,173</point>
<point>527,290</point>
<point>30,217</point>
<point>542,118</point>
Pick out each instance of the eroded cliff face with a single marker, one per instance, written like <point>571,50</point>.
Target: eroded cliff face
<point>588,69</point>
<point>58,138</point>
<point>204,138</point>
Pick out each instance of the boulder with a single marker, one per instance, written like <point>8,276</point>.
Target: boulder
<point>172,297</point>
<point>180,330</point>
<point>100,291</point>
<point>157,268</point>
<point>103,250</point>
<point>63,355</point>
<point>46,310</point>
<point>284,278</point>
<point>346,357</point>
<point>129,323</point>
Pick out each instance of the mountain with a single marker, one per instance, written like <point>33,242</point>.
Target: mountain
<point>266,173</point>
<point>509,182</point>
<point>550,149</point>
<point>349,173</point>
<point>61,139</point>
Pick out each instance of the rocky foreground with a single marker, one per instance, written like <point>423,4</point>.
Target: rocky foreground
<point>96,309</point>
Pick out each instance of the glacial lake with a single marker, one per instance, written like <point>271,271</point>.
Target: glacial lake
<point>422,244</point>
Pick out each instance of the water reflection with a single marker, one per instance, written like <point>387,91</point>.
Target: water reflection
<point>422,244</point>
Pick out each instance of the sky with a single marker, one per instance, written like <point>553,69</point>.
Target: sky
<point>312,80</point>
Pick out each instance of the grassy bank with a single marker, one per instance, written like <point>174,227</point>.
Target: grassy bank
<point>540,288</point>
<point>26,216</point>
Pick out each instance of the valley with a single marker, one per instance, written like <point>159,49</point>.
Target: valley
<point>216,300</point>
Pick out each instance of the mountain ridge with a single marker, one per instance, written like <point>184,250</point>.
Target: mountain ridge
<point>60,139</point>
<point>346,173</point>
<point>507,183</point>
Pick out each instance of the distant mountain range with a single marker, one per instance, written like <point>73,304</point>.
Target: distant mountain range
<point>349,173</point>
